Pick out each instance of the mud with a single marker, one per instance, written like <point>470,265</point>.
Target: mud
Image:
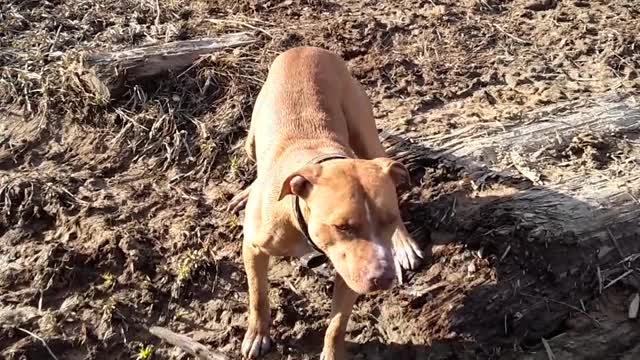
<point>113,210</point>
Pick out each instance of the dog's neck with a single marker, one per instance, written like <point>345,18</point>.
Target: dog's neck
<point>317,257</point>
<point>299,211</point>
<point>297,157</point>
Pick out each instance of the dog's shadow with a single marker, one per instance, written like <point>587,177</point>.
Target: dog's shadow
<point>511,261</point>
<point>379,350</point>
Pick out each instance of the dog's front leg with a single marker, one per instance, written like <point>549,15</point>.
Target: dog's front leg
<point>343,300</point>
<point>256,263</point>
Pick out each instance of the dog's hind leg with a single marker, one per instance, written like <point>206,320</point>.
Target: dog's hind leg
<point>239,201</point>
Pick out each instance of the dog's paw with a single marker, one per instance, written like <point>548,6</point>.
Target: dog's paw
<point>324,356</point>
<point>406,251</point>
<point>239,202</point>
<point>255,344</point>
<point>332,354</point>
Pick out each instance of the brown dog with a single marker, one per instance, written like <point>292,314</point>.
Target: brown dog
<point>324,187</point>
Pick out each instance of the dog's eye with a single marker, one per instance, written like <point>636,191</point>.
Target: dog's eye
<point>344,228</point>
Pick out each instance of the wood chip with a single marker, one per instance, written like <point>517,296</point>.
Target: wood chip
<point>525,168</point>
<point>633,307</point>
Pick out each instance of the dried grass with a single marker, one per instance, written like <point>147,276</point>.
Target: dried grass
<point>118,170</point>
<point>188,119</point>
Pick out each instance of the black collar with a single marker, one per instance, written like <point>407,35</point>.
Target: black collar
<point>316,257</point>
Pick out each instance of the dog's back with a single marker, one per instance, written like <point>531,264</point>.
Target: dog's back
<point>300,104</point>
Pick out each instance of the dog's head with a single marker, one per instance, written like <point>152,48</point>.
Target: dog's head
<point>352,213</point>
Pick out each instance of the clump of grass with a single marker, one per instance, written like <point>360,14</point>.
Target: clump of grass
<point>188,268</point>
<point>25,196</point>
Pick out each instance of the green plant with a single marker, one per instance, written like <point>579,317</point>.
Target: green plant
<point>144,352</point>
<point>109,281</point>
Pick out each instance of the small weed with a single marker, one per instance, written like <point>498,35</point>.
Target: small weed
<point>188,267</point>
<point>207,148</point>
<point>234,165</point>
<point>144,352</point>
<point>234,222</point>
<point>193,262</point>
<point>109,281</point>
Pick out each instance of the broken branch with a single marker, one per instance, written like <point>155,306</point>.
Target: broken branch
<point>186,344</point>
<point>113,69</point>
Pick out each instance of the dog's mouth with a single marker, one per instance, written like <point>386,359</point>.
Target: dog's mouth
<point>377,276</point>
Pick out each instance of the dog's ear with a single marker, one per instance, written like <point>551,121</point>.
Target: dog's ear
<point>300,182</point>
<point>398,172</point>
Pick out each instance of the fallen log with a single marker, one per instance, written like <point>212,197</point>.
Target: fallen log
<point>597,207</point>
<point>115,68</point>
<point>556,225</point>
<point>187,345</point>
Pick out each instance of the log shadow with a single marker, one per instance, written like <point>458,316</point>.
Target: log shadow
<point>511,262</point>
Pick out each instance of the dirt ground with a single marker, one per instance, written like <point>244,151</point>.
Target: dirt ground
<point>113,209</point>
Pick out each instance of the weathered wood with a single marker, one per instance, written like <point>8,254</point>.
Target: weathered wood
<point>545,126</point>
<point>188,345</point>
<point>553,213</point>
<point>113,69</point>
<point>596,207</point>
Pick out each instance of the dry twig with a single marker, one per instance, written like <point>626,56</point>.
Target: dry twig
<point>511,36</point>
<point>41,340</point>
<point>187,344</point>
<point>627,273</point>
<point>565,304</point>
<point>547,348</point>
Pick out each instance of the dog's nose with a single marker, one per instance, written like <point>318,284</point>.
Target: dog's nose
<point>382,282</point>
